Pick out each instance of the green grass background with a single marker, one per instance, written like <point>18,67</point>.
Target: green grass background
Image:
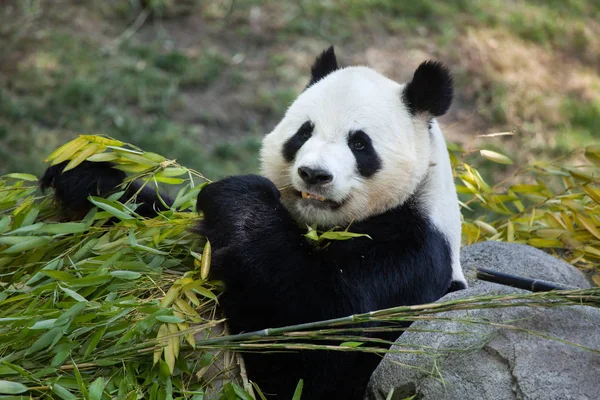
<point>203,81</point>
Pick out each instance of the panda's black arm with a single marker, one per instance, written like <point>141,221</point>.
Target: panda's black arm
<point>261,255</point>
<point>72,189</point>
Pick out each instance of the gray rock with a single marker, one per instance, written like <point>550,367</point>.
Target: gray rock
<point>480,361</point>
<point>521,260</point>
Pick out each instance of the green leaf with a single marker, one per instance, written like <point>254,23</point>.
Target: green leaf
<point>112,207</point>
<point>43,324</point>
<point>24,177</point>
<point>26,229</point>
<point>592,153</point>
<point>103,157</point>
<point>4,224</point>
<point>171,319</point>
<point>298,391</point>
<point>73,294</point>
<point>90,280</point>
<point>7,387</point>
<point>172,171</point>
<point>495,157</point>
<point>85,152</point>
<point>27,244</point>
<point>94,340</point>
<point>96,388</point>
<point>45,340</point>
<point>342,235</point>
<point>351,344</point>
<point>66,151</point>
<point>241,393</point>
<point>312,234</point>
<point>80,381</point>
<point>147,249</point>
<point>128,275</point>
<point>205,292</point>
<point>60,276</point>
<point>63,393</point>
<point>64,228</point>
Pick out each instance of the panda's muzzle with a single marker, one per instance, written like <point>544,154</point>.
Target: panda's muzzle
<point>316,180</point>
<point>315,176</point>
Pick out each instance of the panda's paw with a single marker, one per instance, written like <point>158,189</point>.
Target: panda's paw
<point>235,193</point>
<point>73,187</point>
<point>235,206</point>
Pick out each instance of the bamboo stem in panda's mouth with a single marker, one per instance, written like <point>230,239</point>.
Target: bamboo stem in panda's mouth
<point>306,195</point>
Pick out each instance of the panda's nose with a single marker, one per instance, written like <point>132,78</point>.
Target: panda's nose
<point>314,176</point>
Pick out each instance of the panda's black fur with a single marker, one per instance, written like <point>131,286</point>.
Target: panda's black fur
<point>275,277</point>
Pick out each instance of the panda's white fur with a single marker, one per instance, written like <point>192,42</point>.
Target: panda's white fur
<point>410,149</point>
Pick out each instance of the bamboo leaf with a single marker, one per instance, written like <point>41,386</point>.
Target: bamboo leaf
<point>105,141</point>
<point>71,293</point>
<point>79,379</point>
<point>171,319</point>
<point>593,193</point>
<point>495,157</point>
<point>81,156</point>
<point>484,226</point>
<point>66,151</point>
<point>62,392</point>
<point>65,228</point>
<point>111,207</point>
<point>128,275</point>
<point>147,249</point>
<point>592,153</point>
<point>510,232</point>
<point>172,171</point>
<point>351,344</point>
<point>168,181</point>
<point>206,258</point>
<point>24,177</point>
<point>94,340</point>
<point>103,157</point>
<point>96,388</point>
<point>298,392</point>
<point>7,387</point>
<point>4,224</point>
<point>45,340</point>
<point>342,235</point>
<point>27,244</point>
<point>588,224</point>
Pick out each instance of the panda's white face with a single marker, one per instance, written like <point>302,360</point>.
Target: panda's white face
<point>348,148</point>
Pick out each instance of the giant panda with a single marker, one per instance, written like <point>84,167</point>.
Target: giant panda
<point>356,150</point>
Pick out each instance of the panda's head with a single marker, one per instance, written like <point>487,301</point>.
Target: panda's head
<point>354,144</point>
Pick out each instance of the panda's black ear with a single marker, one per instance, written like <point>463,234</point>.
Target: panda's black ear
<point>430,90</point>
<point>325,64</point>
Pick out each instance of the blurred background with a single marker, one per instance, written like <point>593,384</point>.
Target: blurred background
<point>203,80</point>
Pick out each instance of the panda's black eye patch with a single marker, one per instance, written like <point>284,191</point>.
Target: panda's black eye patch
<point>293,144</point>
<point>358,144</point>
<point>367,160</point>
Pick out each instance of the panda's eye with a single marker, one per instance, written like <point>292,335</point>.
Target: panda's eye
<point>358,144</point>
<point>306,130</point>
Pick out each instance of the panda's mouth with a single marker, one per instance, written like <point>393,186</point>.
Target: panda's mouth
<point>317,200</point>
<point>306,195</point>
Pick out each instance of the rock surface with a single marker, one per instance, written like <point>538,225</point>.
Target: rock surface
<point>497,363</point>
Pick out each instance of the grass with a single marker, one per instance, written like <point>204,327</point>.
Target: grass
<point>58,80</point>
